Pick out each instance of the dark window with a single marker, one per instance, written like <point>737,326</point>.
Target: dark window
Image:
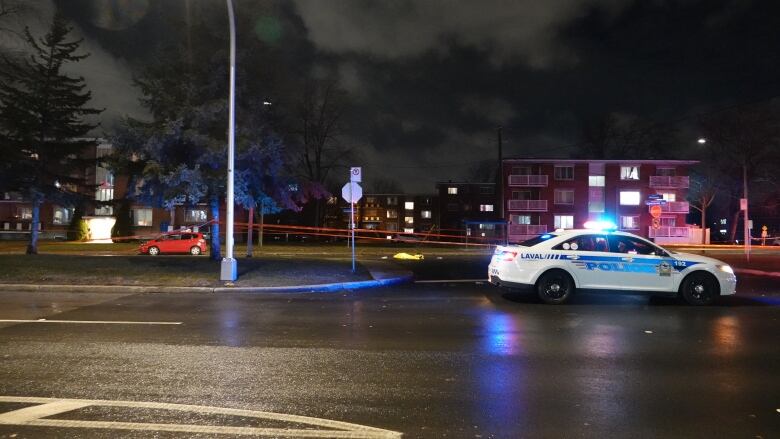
<point>564,172</point>
<point>533,241</point>
<point>631,245</point>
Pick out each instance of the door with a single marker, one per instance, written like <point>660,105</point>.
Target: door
<point>642,266</point>
<point>586,256</point>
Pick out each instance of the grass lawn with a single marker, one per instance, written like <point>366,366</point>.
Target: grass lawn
<point>172,270</point>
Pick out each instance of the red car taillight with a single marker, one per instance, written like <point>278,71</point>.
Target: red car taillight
<point>507,256</point>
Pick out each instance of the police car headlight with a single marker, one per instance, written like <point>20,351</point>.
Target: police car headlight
<point>726,269</point>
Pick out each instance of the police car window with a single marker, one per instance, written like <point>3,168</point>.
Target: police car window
<point>631,245</point>
<point>541,238</point>
<point>585,243</point>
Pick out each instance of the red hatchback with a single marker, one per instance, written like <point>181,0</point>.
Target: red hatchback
<point>177,242</point>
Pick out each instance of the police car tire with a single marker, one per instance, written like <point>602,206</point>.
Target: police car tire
<point>154,251</point>
<point>689,286</point>
<point>563,292</point>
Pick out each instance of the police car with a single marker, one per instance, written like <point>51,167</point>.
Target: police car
<point>557,264</point>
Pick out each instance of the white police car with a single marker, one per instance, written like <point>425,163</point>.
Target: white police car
<point>557,264</point>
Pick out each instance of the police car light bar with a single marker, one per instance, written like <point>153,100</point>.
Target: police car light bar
<point>607,226</point>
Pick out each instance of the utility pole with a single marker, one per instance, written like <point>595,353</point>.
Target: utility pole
<point>500,183</point>
<point>747,221</point>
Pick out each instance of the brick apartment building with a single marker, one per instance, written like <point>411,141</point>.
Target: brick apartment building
<point>469,209</point>
<point>398,213</point>
<point>542,195</point>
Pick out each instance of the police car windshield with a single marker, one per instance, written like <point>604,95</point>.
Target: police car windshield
<point>536,240</point>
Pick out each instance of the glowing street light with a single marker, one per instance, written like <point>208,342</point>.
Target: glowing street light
<point>702,140</point>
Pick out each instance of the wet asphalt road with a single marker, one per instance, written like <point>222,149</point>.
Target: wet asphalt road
<point>427,360</point>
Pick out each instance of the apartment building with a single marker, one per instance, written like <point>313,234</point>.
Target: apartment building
<point>395,213</point>
<point>469,209</point>
<point>542,195</point>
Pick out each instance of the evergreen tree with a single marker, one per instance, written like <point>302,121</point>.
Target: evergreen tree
<point>42,122</point>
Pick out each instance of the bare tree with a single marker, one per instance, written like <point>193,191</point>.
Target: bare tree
<point>318,127</point>
<point>742,142</point>
<point>702,192</point>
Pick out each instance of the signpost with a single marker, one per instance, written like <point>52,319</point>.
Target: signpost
<point>656,210</point>
<point>352,193</point>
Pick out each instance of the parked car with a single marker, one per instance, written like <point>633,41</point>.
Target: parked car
<point>555,265</point>
<point>177,242</point>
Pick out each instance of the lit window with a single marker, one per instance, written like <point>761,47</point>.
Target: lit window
<point>485,207</point>
<point>195,216</point>
<point>629,172</point>
<point>596,181</point>
<point>371,200</point>
<point>142,217</point>
<point>452,190</point>
<point>24,213</point>
<point>409,219</point>
<point>669,196</point>
<point>520,219</point>
<point>564,196</point>
<point>392,214</point>
<point>425,214</point>
<point>629,198</point>
<point>408,230</point>
<point>564,221</point>
<point>409,205</point>
<point>104,194</point>
<point>629,222</point>
<point>487,226</point>
<point>564,172</point>
<point>62,215</point>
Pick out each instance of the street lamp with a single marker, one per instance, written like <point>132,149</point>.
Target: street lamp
<point>229,267</point>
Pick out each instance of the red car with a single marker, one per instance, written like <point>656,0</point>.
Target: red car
<point>177,242</point>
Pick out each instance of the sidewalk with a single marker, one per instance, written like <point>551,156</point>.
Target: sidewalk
<point>173,274</point>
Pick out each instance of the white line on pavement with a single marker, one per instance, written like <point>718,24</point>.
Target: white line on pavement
<point>31,416</point>
<point>89,322</point>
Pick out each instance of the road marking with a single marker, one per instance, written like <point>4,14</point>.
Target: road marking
<point>449,281</point>
<point>31,416</point>
<point>89,322</point>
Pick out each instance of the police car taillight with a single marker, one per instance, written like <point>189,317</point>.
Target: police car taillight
<point>508,256</point>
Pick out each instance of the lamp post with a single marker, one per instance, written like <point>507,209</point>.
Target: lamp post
<point>229,267</point>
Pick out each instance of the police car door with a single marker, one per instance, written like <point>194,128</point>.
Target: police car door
<point>640,265</point>
<point>584,255</point>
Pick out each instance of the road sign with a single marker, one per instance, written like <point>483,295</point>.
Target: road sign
<point>656,223</point>
<point>356,174</point>
<point>655,211</point>
<point>655,197</point>
<point>352,192</point>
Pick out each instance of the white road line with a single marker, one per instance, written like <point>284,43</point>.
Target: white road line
<point>30,416</point>
<point>449,281</point>
<point>89,322</point>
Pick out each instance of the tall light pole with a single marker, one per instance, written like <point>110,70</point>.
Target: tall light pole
<point>229,267</point>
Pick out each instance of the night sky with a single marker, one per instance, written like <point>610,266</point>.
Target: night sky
<point>429,81</point>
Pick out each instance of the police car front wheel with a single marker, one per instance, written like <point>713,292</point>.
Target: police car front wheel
<point>699,289</point>
<point>555,287</point>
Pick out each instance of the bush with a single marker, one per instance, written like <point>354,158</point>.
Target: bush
<point>123,225</point>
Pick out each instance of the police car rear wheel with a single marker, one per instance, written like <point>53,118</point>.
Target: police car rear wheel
<point>699,289</point>
<point>555,287</point>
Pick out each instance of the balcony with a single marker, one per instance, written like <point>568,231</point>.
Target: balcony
<point>528,180</point>
<point>668,232</point>
<point>668,182</point>
<point>527,229</point>
<point>675,207</point>
<point>528,205</point>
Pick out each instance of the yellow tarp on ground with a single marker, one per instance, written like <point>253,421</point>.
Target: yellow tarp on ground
<point>408,256</point>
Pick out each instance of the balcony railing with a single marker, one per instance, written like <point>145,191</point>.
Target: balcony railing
<point>527,229</point>
<point>669,182</point>
<point>528,180</point>
<point>668,232</point>
<point>675,207</point>
<point>528,205</point>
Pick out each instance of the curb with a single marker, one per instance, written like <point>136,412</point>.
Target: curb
<point>382,277</point>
